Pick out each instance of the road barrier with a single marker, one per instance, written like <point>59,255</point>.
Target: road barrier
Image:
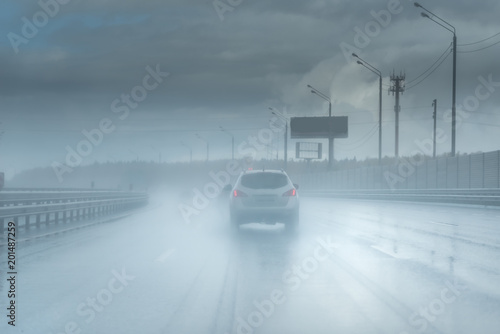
<point>488,197</point>
<point>473,171</point>
<point>32,208</point>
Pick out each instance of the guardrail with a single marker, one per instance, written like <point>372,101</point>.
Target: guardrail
<point>489,197</point>
<point>10,189</point>
<point>40,197</point>
<point>36,208</point>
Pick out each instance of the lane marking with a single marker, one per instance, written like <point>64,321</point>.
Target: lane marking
<point>163,257</point>
<point>441,223</point>
<point>388,252</point>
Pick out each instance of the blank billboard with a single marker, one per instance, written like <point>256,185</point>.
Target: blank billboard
<point>319,127</point>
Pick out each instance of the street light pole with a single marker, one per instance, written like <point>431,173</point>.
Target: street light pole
<point>190,152</point>
<point>206,141</point>
<point>232,140</point>
<point>330,137</point>
<point>380,118</point>
<point>274,111</point>
<point>286,144</point>
<point>159,153</point>
<point>453,106</point>
<point>447,26</point>
<point>377,72</point>
<point>330,140</point>
<point>434,115</point>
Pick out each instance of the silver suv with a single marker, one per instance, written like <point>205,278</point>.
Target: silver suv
<point>264,196</point>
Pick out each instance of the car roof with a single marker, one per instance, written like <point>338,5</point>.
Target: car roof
<point>256,171</point>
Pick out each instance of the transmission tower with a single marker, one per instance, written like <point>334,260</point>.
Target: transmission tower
<point>397,87</point>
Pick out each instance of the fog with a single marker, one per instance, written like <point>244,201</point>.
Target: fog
<point>358,267</point>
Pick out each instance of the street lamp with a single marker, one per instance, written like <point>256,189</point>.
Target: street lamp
<point>134,153</point>
<point>451,29</point>
<point>434,116</point>
<point>274,111</point>
<point>204,140</point>
<point>330,138</point>
<point>377,72</point>
<point>190,152</point>
<point>159,153</point>
<point>232,140</point>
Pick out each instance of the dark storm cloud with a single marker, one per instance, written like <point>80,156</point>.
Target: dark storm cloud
<point>100,45</point>
<point>263,52</point>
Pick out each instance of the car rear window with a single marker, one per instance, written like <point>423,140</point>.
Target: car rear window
<point>264,180</point>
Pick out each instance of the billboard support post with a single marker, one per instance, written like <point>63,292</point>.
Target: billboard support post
<point>320,127</point>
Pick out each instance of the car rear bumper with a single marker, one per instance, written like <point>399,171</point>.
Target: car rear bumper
<point>264,214</point>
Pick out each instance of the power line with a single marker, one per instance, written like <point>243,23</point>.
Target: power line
<point>487,113</point>
<point>342,148</point>
<point>484,124</point>
<point>419,82</point>
<point>447,49</point>
<point>498,33</point>
<point>352,146</point>
<point>480,49</point>
<point>364,138</point>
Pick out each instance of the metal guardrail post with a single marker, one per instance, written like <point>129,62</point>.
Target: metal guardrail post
<point>57,209</point>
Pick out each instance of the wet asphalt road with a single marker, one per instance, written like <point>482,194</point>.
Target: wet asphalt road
<point>352,267</point>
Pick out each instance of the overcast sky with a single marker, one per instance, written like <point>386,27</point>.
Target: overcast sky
<point>69,66</point>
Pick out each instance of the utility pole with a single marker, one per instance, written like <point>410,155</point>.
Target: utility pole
<point>330,138</point>
<point>377,72</point>
<point>277,147</point>
<point>380,119</point>
<point>330,141</point>
<point>190,152</point>
<point>232,140</point>
<point>398,86</point>
<point>276,112</point>
<point>454,98</point>
<point>434,116</point>
<point>436,19</point>
<point>285,158</point>
<point>206,142</point>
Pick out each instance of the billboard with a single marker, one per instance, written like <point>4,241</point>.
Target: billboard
<point>318,127</point>
<point>305,150</point>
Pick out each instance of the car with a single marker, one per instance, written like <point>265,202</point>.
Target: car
<point>264,196</point>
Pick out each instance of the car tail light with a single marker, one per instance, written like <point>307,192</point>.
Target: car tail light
<point>239,193</point>
<point>291,192</point>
